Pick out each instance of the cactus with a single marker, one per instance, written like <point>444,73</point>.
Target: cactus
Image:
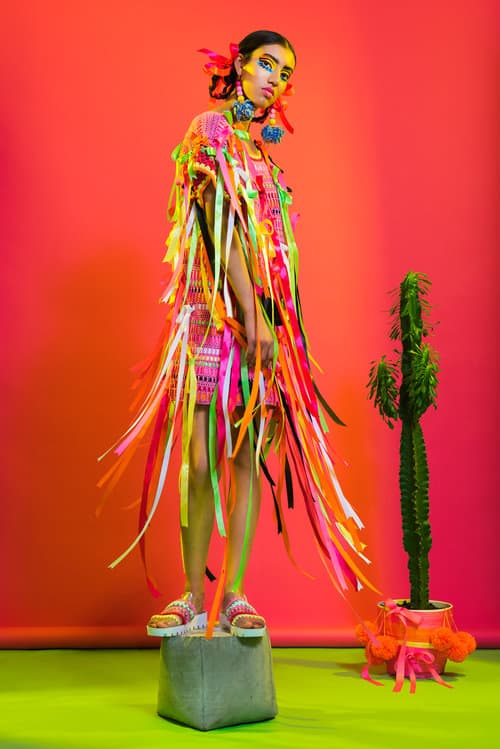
<point>404,390</point>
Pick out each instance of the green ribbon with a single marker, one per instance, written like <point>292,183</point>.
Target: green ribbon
<point>245,387</point>
<point>212,460</point>
<point>192,252</point>
<point>285,200</point>
<point>242,134</point>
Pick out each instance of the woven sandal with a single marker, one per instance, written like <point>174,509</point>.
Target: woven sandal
<point>185,610</point>
<point>239,607</point>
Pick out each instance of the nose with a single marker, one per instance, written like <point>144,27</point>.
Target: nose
<point>273,77</point>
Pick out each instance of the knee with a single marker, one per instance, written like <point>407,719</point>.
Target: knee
<point>244,457</point>
<point>199,471</point>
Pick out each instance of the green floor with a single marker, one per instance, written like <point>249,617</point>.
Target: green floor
<point>107,698</point>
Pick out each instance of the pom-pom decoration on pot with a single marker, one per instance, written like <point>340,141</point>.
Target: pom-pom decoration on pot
<point>386,649</point>
<point>456,645</point>
<point>468,640</point>
<point>457,652</point>
<point>441,638</point>
<point>463,644</point>
<point>362,630</point>
<point>413,644</point>
<point>371,659</point>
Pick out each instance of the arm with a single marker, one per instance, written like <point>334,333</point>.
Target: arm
<point>237,272</point>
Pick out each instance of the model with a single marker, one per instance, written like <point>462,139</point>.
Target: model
<point>232,372</point>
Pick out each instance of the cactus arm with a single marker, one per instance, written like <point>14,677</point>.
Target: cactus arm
<point>423,383</point>
<point>383,389</point>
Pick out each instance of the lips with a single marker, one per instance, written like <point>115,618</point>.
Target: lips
<point>268,92</point>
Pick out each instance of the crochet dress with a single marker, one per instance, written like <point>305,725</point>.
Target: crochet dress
<point>200,358</point>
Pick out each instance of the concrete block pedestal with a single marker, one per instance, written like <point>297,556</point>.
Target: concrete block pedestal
<point>219,682</point>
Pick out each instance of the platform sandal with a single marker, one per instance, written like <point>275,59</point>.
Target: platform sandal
<point>236,608</point>
<point>185,610</point>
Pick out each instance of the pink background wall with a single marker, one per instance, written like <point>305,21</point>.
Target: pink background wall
<point>399,104</point>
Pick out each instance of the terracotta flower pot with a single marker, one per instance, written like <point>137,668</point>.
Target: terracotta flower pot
<point>413,635</point>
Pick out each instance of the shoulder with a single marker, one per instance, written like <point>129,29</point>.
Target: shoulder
<point>210,126</point>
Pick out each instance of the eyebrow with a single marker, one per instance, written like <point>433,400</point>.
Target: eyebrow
<point>285,67</point>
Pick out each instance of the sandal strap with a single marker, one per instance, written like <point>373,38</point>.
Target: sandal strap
<point>182,608</point>
<point>238,607</point>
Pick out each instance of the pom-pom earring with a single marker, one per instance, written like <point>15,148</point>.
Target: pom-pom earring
<point>272,133</point>
<point>244,109</point>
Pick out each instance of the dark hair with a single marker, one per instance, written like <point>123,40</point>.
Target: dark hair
<point>223,87</point>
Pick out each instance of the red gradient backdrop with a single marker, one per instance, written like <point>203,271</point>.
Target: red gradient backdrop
<point>394,166</point>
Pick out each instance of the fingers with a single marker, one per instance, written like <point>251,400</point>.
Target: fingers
<point>266,354</point>
<point>251,352</point>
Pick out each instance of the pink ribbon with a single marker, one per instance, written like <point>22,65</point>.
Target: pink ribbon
<point>366,670</point>
<point>412,661</point>
<point>224,361</point>
<point>405,616</point>
<point>234,385</point>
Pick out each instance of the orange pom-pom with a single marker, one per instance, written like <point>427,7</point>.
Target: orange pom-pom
<point>441,638</point>
<point>387,648</point>
<point>467,640</point>
<point>457,652</point>
<point>371,658</point>
<point>361,631</point>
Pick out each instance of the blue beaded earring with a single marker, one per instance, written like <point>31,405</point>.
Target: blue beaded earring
<point>244,109</point>
<point>272,133</point>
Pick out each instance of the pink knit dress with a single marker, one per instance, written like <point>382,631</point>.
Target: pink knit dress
<point>207,346</point>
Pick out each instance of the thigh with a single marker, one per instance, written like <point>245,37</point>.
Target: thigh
<point>198,449</point>
<point>245,452</point>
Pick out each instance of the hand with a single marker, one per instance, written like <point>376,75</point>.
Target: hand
<point>266,339</point>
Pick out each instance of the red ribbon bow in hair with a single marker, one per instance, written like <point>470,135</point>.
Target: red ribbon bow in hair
<point>218,64</point>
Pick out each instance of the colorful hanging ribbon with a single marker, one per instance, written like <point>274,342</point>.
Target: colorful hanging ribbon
<point>168,379</point>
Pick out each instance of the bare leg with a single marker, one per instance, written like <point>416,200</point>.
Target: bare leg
<point>237,525</point>
<point>196,536</point>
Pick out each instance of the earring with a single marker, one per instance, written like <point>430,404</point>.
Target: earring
<point>244,109</point>
<point>272,133</point>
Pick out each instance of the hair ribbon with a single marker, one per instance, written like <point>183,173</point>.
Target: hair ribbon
<point>218,64</point>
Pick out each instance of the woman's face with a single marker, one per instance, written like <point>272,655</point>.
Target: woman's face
<point>265,75</point>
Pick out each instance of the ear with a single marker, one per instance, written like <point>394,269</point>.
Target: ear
<point>238,64</point>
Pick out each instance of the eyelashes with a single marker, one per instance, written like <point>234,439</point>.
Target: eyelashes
<point>267,64</point>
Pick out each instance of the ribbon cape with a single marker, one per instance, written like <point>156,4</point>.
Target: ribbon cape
<point>212,152</point>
